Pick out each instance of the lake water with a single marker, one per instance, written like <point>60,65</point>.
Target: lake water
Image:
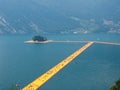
<point>97,68</point>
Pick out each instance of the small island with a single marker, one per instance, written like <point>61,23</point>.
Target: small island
<point>38,39</point>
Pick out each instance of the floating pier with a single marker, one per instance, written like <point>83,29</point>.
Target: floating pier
<point>37,83</point>
<point>110,43</point>
<point>99,42</point>
<point>72,41</point>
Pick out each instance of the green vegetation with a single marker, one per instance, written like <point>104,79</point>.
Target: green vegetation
<point>39,38</point>
<point>85,26</point>
<point>13,87</point>
<point>116,86</point>
<point>89,25</point>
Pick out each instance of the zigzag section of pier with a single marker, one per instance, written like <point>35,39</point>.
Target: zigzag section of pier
<point>37,83</point>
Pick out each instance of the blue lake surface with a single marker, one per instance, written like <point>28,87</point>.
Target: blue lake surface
<point>97,68</point>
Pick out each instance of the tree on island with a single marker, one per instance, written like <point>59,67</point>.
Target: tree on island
<point>116,86</point>
<point>39,38</point>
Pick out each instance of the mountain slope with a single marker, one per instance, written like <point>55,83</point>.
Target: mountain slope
<point>59,16</point>
<point>29,17</point>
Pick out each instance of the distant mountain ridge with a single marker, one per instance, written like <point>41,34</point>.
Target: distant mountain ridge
<point>29,17</point>
<point>42,16</point>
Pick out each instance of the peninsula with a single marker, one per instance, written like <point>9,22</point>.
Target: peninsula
<point>38,39</point>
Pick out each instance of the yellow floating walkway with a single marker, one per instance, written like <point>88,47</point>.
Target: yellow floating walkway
<point>37,83</point>
<point>111,43</point>
<point>73,41</point>
<point>99,42</point>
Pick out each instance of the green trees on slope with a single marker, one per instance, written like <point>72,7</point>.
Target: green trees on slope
<point>39,38</point>
<point>116,86</point>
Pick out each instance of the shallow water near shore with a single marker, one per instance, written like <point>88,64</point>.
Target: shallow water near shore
<point>95,69</point>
